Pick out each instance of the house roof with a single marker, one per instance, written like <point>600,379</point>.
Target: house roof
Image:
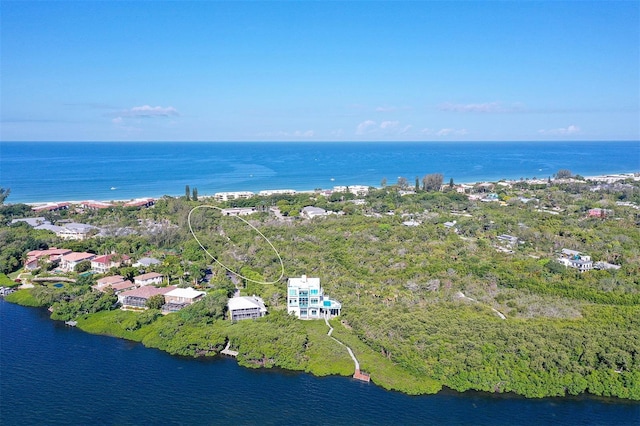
<point>112,279</point>
<point>304,281</point>
<point>147,291</point>
<point>122,285</point>
<point>106,259</point>
<point>146,261</point>
<point>187,293</point>
<point>49,252</point>
<point>77,257</point>
<point>148,276</point>
<point>246,302</point>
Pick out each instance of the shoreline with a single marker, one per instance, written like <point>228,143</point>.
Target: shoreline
<point>607,177</point>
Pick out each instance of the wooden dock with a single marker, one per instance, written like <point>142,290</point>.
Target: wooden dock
<point>71,323</point>
<point>359,375</point>
<point>229,352</point>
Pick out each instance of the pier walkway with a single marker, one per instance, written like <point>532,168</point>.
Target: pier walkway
<point>357,374</point>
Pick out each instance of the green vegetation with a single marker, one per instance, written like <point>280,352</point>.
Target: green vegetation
<point>420,303</point>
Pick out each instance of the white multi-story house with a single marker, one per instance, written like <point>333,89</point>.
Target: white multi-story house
<point>575,259</point>
<point>150,278</point>
<point>102,264</point>
<point>306,300</point>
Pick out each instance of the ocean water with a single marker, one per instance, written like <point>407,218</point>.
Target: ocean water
<point>57,171</point>
<point>52,374</point>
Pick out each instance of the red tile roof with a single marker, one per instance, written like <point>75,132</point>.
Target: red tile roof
<point>147,291</point>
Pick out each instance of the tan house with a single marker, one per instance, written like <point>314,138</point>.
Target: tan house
<point>150,278</point>
<point>102,264</point>
<point>69,261</point>
<point>36,257</point>
<point>137,298</point>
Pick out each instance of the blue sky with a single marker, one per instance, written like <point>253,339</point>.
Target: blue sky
<point>320,71</point>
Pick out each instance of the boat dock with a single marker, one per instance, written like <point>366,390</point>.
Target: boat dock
<point>229,352</point>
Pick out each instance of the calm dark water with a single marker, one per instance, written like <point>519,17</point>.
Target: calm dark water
<point>52,374</point>
<point>57,171</point>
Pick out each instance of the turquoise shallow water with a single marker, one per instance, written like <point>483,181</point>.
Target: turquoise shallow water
<point>56,171</point>
<point>54,374</point>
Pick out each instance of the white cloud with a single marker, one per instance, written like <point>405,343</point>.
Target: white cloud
<point>451,132</point>
<point>485,107</point>
<point>389,124</point>
<point>386,108</point>
<point>147,111</point>
<point>117,120</point>
<point>366,127</point>
<point>569,130</point>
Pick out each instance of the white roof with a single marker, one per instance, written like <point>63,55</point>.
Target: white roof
<point>304,281</point>
<point>246,302</point>
<point>189,293</point>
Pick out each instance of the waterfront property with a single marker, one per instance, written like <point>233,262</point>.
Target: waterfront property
<point>306,299</point>
<point>181,297</point>
<point>246,307</point>
<point>228,196</point>
<point>137,298</point>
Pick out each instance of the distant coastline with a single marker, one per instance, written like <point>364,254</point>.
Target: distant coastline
<point>50,171</point>
<point>608,177</point>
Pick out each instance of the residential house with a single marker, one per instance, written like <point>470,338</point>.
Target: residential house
<point>35,258</point>
<point>246,307</point>
<point>115,282</point>
<point>32,221</point>
<point>599,213</point>
<point>358,190</point>
<point>69,261</point>
<point>102,264</point>
<point>239,211</point>
<point>150,278</point>
<point>575,259</point>
<point>180,297</point>
<point>137,297</point>
<point>310,212</point>
<point>76,231</point>
<point>145,262</point>
<point>508,240</point>
<point>306,300</point>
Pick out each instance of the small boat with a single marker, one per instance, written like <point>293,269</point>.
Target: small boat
<point>113,188</point>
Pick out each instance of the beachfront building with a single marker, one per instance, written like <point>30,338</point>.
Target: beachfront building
<point>306,299</point>
<point>269,192</point>
<point>69,261</point>
<point>51,207</point>
<point>358,190</point>
<point>141,203</point>
<point>102,264</point>
<point>150,278</point>
<point>95,205</point>
<point>137,298</point>
<point>246,307</point>
<point>229,196</point>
